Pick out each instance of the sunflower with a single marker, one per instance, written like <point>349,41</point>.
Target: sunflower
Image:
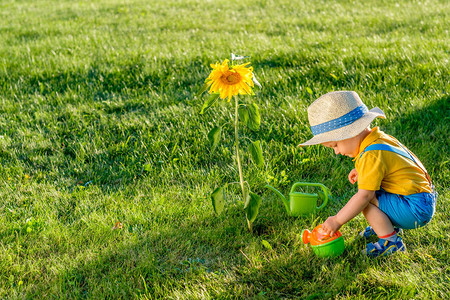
<point>230,81</point>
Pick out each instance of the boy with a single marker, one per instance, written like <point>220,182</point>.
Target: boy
<point>394,189</point>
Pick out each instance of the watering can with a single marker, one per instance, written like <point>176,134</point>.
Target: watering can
<point>322,244</point>
<point>302,204</point>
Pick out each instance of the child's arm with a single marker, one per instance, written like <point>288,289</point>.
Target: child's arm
<point>354,206</point>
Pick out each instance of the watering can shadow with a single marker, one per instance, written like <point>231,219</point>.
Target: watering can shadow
<point>302,204</point>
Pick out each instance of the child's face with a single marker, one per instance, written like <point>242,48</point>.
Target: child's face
<point>348,147</point>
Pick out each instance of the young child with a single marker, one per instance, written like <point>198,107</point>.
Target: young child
<point>394,189</point>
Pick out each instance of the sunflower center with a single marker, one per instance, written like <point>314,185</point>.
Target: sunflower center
<point>230,78</point>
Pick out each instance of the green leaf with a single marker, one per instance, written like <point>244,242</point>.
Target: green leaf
<point>334,76</point>
<point>209,102</point>
<point>218,200</point>
<point>243,114</point>
<point>246,198</point>
<point>254,119</point>
<point>266,244</point>
<point>252,209</point>
<point>204,88</point>
<point>214,136</point>
<point>256,152</point>
<point>309,91</point>
<point>147,167</point>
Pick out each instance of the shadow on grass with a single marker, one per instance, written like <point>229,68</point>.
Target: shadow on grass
<point>125,146</point>
<point>425,132</point>
<point>207,257</point>
<point>221,261</point>
<point>191,256</point>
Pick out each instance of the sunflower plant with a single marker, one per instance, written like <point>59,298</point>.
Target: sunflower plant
<point>227,81</point>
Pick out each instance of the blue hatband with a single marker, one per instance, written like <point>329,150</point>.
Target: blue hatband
<point>342,121</point>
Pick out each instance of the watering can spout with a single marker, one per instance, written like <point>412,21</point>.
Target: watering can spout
<point>280,195</point>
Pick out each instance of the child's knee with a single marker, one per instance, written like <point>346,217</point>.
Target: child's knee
<point>374,201</point>
<point>370,207</point>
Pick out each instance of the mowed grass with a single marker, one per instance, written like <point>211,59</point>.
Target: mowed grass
<point>99,124</point>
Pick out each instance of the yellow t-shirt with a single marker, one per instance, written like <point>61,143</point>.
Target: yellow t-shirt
<point>390,171</point>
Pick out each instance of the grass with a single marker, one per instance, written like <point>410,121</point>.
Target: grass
<point>99,124</point>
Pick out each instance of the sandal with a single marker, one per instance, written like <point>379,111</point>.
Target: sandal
<point>384,247</point>
<point>368,232</point>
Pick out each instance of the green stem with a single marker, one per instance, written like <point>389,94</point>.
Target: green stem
<point>236,135</point>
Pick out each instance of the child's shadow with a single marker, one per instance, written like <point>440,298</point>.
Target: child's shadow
<point>425,132</point>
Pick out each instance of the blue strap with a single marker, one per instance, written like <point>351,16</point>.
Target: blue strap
<point>388,148</point>
<point>403,152</point>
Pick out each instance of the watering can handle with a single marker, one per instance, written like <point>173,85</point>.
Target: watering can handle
<point>324,188</point>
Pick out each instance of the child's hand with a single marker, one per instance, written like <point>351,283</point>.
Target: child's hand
<point>331,225</point>
<point>353,176</point>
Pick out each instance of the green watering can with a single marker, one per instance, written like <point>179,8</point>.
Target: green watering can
<point>302,204</point>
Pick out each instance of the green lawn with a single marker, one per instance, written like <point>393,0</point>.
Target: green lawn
<point>99,124</point>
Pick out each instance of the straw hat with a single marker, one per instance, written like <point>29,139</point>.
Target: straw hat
<point>337,116</point>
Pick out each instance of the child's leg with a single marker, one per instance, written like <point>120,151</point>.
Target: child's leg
<point>382,225</point>
<point>379,221</point>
